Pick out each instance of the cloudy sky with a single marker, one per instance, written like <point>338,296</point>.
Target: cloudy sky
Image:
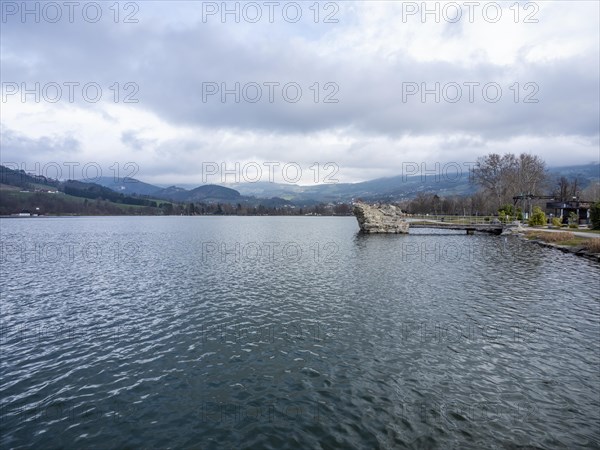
<point>179,88</point>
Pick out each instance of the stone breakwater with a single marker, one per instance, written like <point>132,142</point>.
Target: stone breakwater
<point>380,219</point>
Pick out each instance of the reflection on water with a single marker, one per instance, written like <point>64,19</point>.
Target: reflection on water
<point>291,332</point>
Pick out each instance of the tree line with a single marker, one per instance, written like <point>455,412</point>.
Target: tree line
<point>500,178</point>
<point>58,204</point>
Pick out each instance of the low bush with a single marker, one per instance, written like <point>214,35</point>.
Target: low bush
<point>538,218</point>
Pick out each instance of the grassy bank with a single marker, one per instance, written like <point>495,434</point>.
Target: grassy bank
<point>565,239</point>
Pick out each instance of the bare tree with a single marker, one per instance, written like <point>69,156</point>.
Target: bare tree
<point>575,188</point>
<point>591,193</point>
<point>503,177</point>
<point>495,173</point>
<point>562,189</point>
<point>567,189</point>
<point>480,203</point>
<point>532,175</point>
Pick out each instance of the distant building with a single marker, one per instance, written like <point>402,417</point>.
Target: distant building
<point>564,209</point>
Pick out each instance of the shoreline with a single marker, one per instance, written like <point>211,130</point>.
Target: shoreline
<point>576,250</point>
<point>173,215</point>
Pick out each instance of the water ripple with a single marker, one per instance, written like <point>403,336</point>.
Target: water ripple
<point>177,333</point>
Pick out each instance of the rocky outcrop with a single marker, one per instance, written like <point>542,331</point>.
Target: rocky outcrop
<point>380,218</point>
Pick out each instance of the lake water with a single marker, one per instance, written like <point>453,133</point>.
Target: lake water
<point>291,332</point>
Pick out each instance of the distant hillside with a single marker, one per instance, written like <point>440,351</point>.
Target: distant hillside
<point>94,191</point>
<point>20,178</point>
<point>23,191</point>
<point>212,192</point>
<point>127,186</point>
<point>209,193</point>
<point>20,191</point>
<point>398,187</point>
<point>393,188</point>
<point>170,193</point>
<point>586,173</point>
<point>390,188</point>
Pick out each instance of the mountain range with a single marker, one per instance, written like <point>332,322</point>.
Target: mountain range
<point>394,188</point>
<point>129,191</point>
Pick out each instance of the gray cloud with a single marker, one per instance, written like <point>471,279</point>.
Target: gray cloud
<point>169,56</point>
<point>17,147</point>
<point>131,139</point>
